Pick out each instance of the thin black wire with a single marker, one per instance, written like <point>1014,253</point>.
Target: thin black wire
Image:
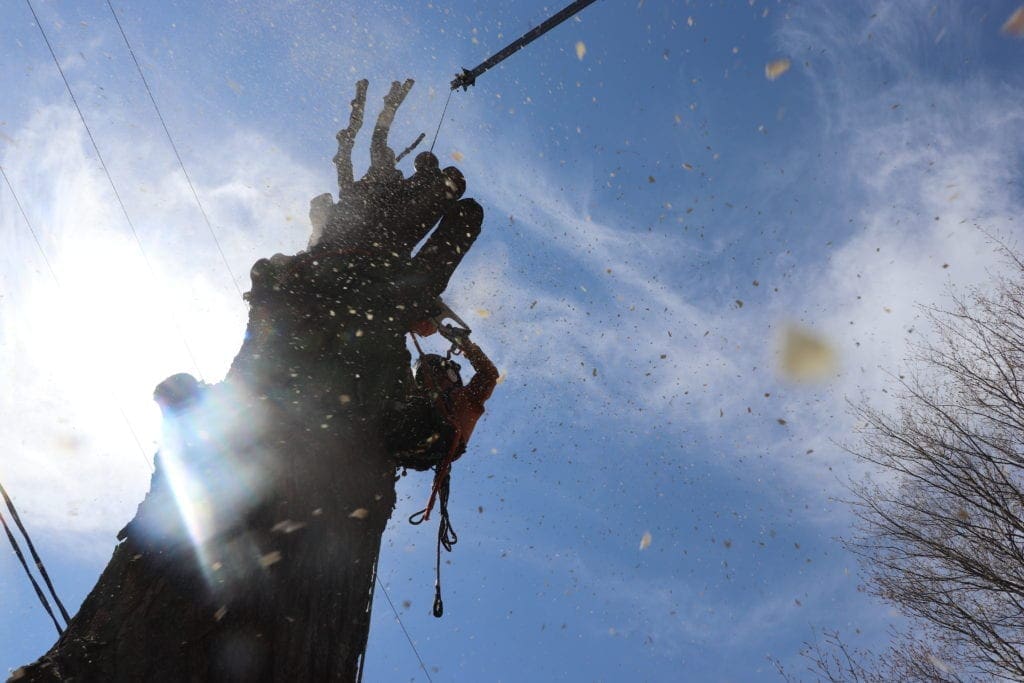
<point>407,636</point>
<point>177,155</point>
<point>35,555</point>
<point>443,112</point>
<point>56,281</point>
<point>29,224</point>
<point>35,584</point>
<point>110,178</point>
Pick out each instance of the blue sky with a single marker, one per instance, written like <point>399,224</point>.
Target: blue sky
<point>634,197</point>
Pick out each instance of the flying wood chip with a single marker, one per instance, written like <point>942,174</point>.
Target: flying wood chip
<point>645,541</point>
<point>805,356</point>
<point>581,50</point>
<point>1014,26</point>
<point>360,513</point>
<point>273,557</point>
<point>773,70</point>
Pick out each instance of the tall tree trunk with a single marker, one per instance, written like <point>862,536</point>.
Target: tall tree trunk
<point>261,566</point>
<point>253,555</point>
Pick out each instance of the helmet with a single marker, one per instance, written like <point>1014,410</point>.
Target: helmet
<point>432,365</point>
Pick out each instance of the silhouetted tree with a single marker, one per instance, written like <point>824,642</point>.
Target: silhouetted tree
<point>253,556</point>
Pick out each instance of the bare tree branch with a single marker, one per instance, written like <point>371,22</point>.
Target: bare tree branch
<point>941,526</point>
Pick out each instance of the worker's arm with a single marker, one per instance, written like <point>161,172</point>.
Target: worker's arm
<point>485,378</point>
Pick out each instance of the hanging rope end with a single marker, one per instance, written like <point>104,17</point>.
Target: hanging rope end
<point>438,602</point>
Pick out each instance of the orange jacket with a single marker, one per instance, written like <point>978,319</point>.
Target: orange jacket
<point>468,402</point>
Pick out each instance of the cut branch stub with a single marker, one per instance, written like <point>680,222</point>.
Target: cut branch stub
<point>347,139</point>
<point>383,212</point>
<point>382,157</point>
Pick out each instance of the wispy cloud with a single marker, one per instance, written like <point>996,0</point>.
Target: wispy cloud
<point>609,323</point>
<point>924,168</point>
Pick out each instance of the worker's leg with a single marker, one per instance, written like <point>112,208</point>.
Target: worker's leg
<point>447,246</point>
<point>432,193</point>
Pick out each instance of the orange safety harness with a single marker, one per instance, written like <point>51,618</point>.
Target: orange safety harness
<point>443,468</point>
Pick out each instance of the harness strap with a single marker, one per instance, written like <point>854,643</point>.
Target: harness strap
<point>445,466</point>
<point>439,492</point>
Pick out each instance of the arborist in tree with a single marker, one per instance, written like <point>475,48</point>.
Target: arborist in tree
<point>434,426</point>
<point>431,429</point>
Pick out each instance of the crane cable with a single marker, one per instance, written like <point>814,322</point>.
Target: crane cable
<point>468,76</point>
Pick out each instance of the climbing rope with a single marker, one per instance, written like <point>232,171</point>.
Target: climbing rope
<point>362,655</point>
<point>446,536</point>
<point>404,630</point>
<point>439,492</point>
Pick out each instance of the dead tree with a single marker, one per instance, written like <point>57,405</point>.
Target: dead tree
<point>253,555</point>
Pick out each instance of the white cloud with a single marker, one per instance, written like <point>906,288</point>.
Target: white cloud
<point>930,164</point>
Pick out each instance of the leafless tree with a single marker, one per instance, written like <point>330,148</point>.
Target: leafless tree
<point>941,524</point>
<point>908,659</point>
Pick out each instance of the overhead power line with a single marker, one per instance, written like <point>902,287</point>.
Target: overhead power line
<point>35,555</point>
<point>56,281</point>
<point>177,155</point>
<point>35,584</point>
<point>110,179</point>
